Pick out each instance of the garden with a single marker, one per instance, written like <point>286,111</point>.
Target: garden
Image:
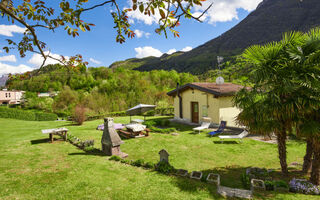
<point>33,168</point>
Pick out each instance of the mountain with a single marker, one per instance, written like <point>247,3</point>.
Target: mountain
<point>267,23</point>
<point>3,80</point>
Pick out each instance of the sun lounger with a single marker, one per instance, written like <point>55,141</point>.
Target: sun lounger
<point>220,129</point>
<point>240,136</point>
<point>203,126</point>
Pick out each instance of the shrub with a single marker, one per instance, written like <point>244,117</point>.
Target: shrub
<point>115,158</point>
<point>138,163</point>
<point>125,161</point>
<point>148,165</point>
<point>89,149</point>
<point>27,115</point>
<point>79,115</point>
<point>245,179</point>
<point>164,167</point>
<point>269,185</point>
<point>45,116</point>
<point>150,123</point>
<point>281,184</point>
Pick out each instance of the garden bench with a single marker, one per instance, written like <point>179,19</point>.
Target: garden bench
<point>63,132</point>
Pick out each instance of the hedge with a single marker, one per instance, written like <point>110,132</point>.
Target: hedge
<point>15,113</point>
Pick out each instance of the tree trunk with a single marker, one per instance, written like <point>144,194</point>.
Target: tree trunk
<point>315,173</point>
<point>308,157</point>
<point>281,138</point>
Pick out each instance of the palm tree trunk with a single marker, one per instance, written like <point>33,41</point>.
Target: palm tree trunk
<point>308,157</point>
<point>315,173</point>
<point>281,138</point>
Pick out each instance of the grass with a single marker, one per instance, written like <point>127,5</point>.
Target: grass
<point>32,168</point>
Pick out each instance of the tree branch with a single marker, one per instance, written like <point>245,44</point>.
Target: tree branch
<point>98,5</point>
<point>30,28</point>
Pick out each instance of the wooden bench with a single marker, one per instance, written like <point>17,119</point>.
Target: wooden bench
<point>63,132</point>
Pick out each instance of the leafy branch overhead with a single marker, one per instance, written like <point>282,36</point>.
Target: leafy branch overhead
<point>37,14</point>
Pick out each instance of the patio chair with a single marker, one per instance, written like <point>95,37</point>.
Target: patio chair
<point>203,126</point>
<point>221,128</point>
<point>240,136</point>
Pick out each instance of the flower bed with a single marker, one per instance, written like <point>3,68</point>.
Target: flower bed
<point>304,187</point>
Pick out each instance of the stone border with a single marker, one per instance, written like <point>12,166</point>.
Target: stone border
<point>216,178</point>
<point>192,175</point>
<point>257,184</point>
<point>182,172</point>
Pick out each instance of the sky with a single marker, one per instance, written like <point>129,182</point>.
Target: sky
<point>99,48</point>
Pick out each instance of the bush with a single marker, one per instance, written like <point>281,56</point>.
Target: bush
<point>79,115</point>
<point>269,185</point>
<point>89,149</point>
<point>125,161</point>
<point>245,179</point>
<point>164,167</point>
<point>151,124</point>
<point>27,115</point>
<point>148,165</point>
<point>45,116</point>
<point>115,158</point>
<point>281,184</point>
<point>138,163</point>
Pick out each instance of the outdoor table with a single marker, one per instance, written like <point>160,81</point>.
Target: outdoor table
<point>136,127</point>
<point>56,131</point>
<point>137,121</point>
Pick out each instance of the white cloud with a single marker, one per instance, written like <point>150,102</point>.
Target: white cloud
<point>187,48</point>
<point>9,58</point>
<point>171,51</point>
<point>8,30</point>
<point>146,51</point>
<point>221,11</point>
<point>141,17</point>
<point>225,10</point>
<point>140,33</point>
<point>6,69</point>
<point>95,61</point>
<point>37,59</point>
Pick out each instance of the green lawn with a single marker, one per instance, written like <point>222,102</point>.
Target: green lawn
<point>32,168</point>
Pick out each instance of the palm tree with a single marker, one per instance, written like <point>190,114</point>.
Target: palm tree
<point>268,106</point>
<point>307,60</point>
<point>286,93</point>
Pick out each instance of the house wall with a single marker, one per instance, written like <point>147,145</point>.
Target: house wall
<point>218,108</point>
<point>10,97</point>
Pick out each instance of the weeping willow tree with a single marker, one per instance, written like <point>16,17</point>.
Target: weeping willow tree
<point>285,93</point>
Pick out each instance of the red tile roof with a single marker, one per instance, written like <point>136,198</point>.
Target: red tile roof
<point>226,89</point>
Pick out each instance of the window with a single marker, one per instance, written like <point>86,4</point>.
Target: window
<point>205,111</point>
<point>6,95</point>
<point>9,94</point>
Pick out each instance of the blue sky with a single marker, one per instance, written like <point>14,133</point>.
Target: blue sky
<point>99,47</point>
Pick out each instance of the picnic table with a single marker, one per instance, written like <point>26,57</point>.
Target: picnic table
<point>134,131</point>
<point>56,131</point>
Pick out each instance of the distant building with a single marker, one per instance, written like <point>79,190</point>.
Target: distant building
<point>48,94</point>
<point>11,97</point>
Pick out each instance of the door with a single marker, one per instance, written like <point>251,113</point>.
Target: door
<point>195,112</point>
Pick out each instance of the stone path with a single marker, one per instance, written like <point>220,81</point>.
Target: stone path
<point>234,192</point>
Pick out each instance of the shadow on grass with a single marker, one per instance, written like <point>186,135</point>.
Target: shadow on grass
<point>230,177</point>
<point>95,152</point>
<point>226,142</point>
<point>70,124</point>
<point>40,141</point>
